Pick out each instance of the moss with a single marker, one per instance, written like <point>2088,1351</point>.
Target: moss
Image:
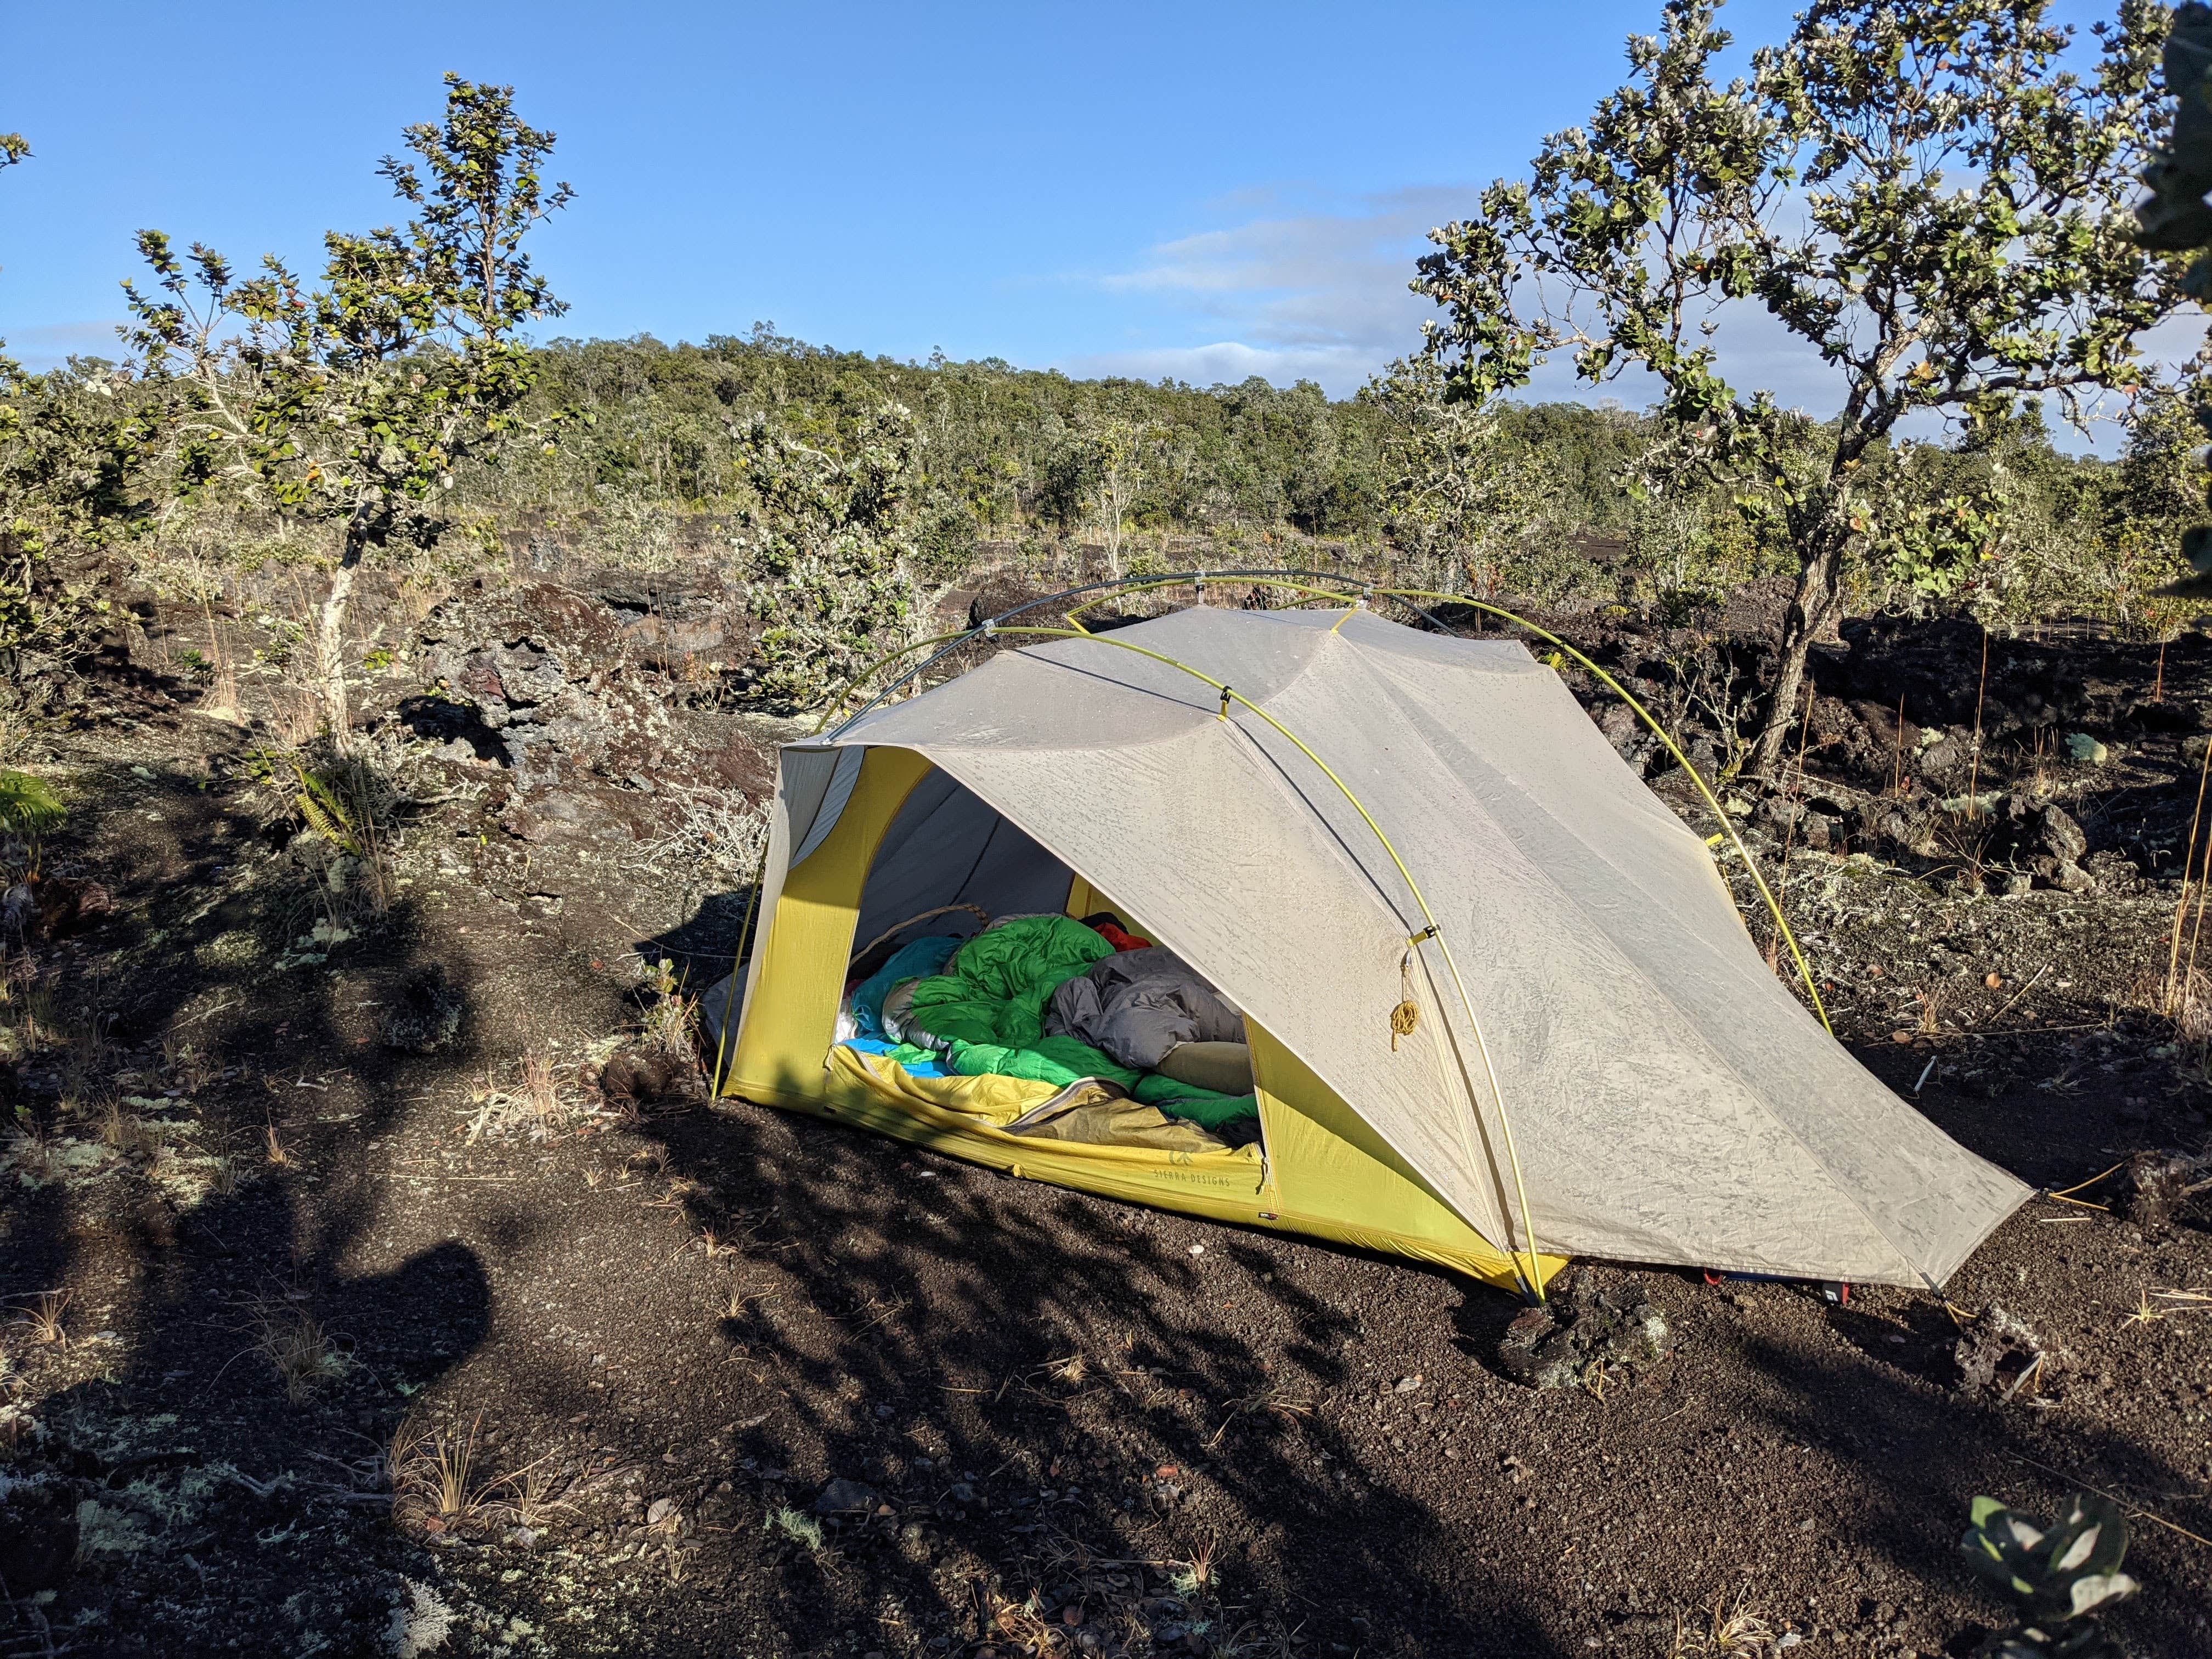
<point>236,948</point>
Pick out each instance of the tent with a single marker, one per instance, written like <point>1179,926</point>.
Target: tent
<point>1597,1061</point>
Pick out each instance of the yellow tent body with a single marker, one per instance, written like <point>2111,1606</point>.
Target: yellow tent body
<point>1317,1169</point>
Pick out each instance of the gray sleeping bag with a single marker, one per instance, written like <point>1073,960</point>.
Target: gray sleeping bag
<point>1137,1005</point>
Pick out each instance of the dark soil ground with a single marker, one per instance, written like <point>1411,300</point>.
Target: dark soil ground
<point>668,1376</point>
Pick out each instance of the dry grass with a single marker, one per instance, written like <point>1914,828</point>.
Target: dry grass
<point>1276,1402</point>
<point>1726,1625</point>
<point>47,1316</point>
<point>532,1101</point>
<point>126,1132</point>
<point>89,1055</point>
<point>714,840</point>
<point>30,1003</point>
<point>1023,1624</point>
<point>185,1066</point>
<point>31,1147</point>
<point>419,595</point>
<point>672,1017</point>
<point>540,1094</point>
<point>1932,1001</point>
<point>295,716</point>
<point>293,1341</point>
<point>435,1478</point>
<point>273,1150</point>
<point>531,1496</point>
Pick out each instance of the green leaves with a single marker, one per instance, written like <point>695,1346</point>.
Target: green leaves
<point>1456,491</point>
<point>28,805</point>
<point>2054,1574</point>
<point>1931,200</point>
<point>825,557</point>
<point>352,402</point>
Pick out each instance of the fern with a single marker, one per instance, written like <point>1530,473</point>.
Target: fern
<point>327,813</point>
<point>28,805</point>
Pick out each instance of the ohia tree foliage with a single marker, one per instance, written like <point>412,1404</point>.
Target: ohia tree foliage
<point>350,401</point>
<point>1934,199</point>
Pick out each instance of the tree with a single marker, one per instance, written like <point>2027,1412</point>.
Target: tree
<point>827,550</point>
<point>1926,197</point>
<point>1112,454</point>
<point>352,403</point>
<point>1456,490</point>
<point>70,442</point>
<point>2177,219</point>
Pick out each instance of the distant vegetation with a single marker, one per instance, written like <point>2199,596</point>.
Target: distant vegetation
<point>391,408</point>
<point>1012,456</point>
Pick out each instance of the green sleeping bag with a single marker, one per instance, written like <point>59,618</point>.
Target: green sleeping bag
<point>988,1008</point>
<point>995,990</point>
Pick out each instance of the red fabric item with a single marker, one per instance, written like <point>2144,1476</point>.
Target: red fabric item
<point>1119,940</point>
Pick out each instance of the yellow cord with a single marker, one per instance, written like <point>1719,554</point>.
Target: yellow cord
<point>730,997</point>
<point>860,677</point>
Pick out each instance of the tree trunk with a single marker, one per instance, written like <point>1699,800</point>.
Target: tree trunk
<point>1820,589</point>
<point>330,649</point>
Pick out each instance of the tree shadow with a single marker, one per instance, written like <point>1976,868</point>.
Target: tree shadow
<point>213,1226</point>
<point>1913,1452</point>
<point>1032,1380</point>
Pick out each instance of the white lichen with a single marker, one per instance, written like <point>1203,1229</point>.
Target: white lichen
<point>420,1621</point>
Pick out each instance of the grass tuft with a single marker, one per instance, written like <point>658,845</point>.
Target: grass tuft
<point>47,1317</point>
<point>435,1479</point>
<point>295,1343</point>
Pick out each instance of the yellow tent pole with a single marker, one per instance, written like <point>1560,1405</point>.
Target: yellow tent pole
<point>1728,824</point>
<point>738,961</point>
<point>888,658</point>
<point>1434,929</point>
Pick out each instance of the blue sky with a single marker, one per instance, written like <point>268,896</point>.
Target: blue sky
<point>1206,191</point>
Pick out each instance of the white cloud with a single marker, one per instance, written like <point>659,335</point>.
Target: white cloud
<point>1319,294</point>
<point>1337,369</point>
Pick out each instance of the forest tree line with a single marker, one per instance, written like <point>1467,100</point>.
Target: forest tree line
<point>1999,517</point>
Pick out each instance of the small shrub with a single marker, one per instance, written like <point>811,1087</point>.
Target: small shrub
<point>530,1496</point>
<point>671,1019</point>
<point>2059,1577</point>
<point>303,1354</point>
<point>799,1527</point>
<point>45,1317</point>
<point>433,1475</point>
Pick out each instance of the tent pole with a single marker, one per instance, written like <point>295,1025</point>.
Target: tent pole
<point>737,963</point>
<point>1434,929</point>
<point>1728,824</point>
